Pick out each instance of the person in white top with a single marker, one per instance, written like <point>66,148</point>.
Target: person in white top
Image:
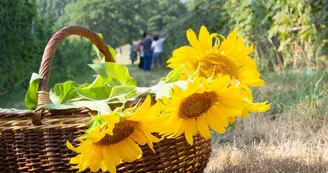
<point>157,46</point>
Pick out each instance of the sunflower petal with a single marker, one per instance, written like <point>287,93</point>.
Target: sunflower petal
<point>138,136</point>
<point>97,156</point>
<point>191,36</point>
<point>111,119</point>
<point>75,160</point>
<point>96,135</point>
<point>217,124</point>
<point>129,150</point>
<point>109,159</point>
<point>203,37</point>
<point>70,146</point>
<point>220,83</point>
<point>203,127</point>
<point>141,110</point>
<point>190,130</point>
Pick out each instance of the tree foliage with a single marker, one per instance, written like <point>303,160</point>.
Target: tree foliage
<point>122,21</point>
<point>285,34</point>
<point>22,34</point>
<point>28,25</point>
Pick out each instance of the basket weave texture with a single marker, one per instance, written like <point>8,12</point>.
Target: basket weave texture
<point>34,141</point>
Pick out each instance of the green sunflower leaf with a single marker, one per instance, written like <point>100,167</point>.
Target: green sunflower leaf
<point>112,51</point>
<point>100,55</point>
<point>163,89</point>
<point>114,74</point>
<point>95,93</point>
<point>123,92</point>
<point>63,92</point>
<point>32,91</point>
<point>174,75</point>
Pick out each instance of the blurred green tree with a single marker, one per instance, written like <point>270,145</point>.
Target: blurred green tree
<point>23,36</point>
<point>286,34</point>
<point>122,21</point>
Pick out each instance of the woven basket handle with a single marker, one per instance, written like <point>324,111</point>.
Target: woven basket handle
<point>44,71</point>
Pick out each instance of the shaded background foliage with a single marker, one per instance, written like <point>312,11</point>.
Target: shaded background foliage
<point>286,34</point>
<point>26,26</point>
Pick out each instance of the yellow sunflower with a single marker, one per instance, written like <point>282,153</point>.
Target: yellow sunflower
<point>202,105</point>
<point>231,57</point>
<point>104,148</point>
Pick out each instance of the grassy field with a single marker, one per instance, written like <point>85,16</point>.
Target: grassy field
<point>291,137</point>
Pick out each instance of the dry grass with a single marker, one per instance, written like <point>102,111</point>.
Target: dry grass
<point>291,137</point>
<point>288,143</point>
<point>293,140</point>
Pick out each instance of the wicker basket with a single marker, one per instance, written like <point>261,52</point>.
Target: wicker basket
<point>34,141</point>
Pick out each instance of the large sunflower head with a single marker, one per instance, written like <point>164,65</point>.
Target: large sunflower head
<point>230,57</point>
<point>106,146</point>
<point>202,105</point>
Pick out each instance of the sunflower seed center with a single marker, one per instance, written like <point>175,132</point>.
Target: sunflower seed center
<point>121,131</point>
<point>196,104</point>
<point>214,64</point>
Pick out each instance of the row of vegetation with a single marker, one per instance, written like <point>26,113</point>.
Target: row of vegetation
<point>286,34</point>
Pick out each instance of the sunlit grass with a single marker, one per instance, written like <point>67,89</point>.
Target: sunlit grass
<point>290,137</point>
<point>286,90</point>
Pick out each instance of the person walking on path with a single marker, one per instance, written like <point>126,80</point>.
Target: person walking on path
<point>148,53</point>
<point>133,53</point>
<point>157,46</point>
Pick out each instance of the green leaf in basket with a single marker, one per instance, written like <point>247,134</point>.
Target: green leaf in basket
<point>123,92</point>
<point>163,89</point>
<point>100,106</point>
<point>98,82</point>
<point>114,74</point>
<point>174,75</point>
<point>86,84</point>
<point>112,51</point>
<point>100,55</point>
<point>63,92</point>
<point>96,93</point>
<point>32,91</point>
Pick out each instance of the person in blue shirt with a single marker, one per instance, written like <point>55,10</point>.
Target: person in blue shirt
<point>147,51</point>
